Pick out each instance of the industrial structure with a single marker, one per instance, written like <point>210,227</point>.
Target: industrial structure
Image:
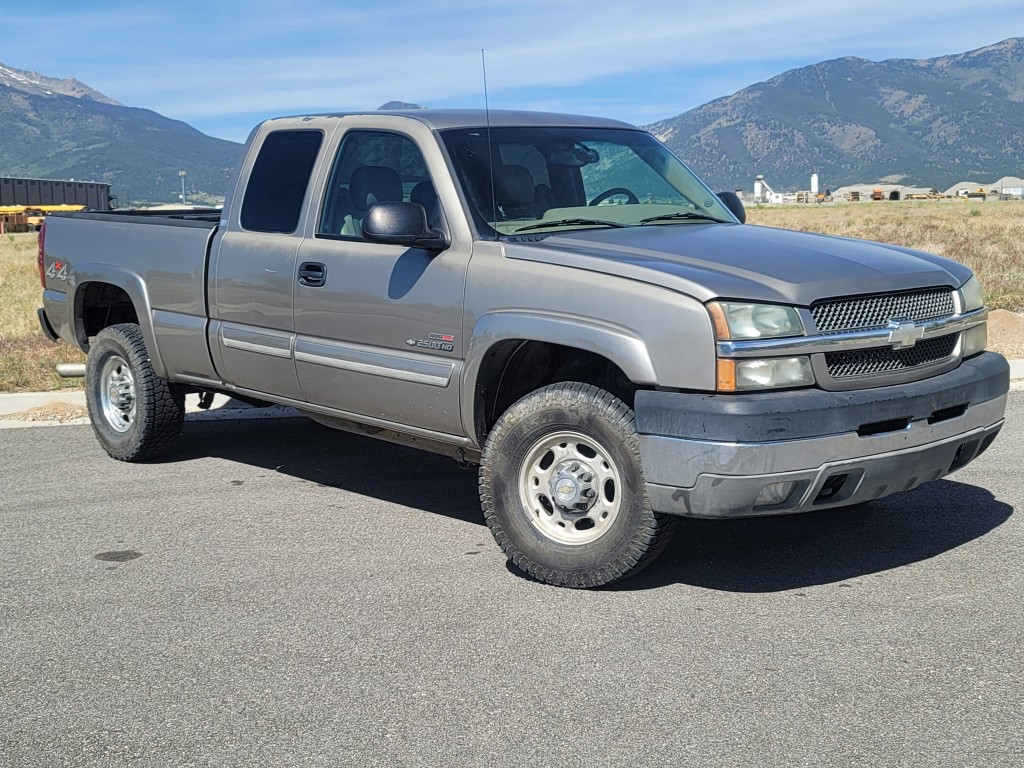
<point>763,193</point>
<point>1006,188</point>
<point>36,193</point>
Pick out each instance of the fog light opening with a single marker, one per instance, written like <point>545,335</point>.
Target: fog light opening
<point>831,487</point>
<point>774,494</point>
<point>965,454</point>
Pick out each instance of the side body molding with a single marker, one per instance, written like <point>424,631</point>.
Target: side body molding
<point>625,350</point>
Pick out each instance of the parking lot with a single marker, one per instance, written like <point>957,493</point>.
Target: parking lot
<point>275,593</point>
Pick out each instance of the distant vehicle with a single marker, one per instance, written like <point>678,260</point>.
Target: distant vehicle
<point>36,216</point>
<point>877,194</point>
<point>12,219</point>
<point>466,283</point>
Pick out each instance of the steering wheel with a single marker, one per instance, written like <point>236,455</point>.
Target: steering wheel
<point>631,199</point>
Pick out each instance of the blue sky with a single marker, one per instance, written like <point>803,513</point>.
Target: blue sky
<point>224,66</point>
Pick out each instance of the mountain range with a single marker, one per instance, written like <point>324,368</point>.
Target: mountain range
<point>924,122</point>
<point>63,129</point>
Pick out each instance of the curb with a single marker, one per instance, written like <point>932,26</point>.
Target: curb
<point>223,408</point>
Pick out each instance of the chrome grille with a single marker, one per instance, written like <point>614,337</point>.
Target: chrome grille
<point>866,362</point>
<point>866,312</point>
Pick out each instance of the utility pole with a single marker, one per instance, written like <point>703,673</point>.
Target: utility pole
<point>182,175</point>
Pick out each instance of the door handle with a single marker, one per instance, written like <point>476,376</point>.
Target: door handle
<point>313,274</point>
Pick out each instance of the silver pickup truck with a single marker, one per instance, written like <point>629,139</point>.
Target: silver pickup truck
<point>556,298</point>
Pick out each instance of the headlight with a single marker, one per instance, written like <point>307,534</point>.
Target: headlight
<point>972,295</point>
<point>735,320</point>
<point>764,373</point>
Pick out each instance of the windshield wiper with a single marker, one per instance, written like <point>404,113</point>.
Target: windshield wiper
<point>570,222</point>
<point>681,215</point>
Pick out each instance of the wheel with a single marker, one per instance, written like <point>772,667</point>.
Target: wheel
<point>135,414</point>
<point>563,492</point>
<point>631,198</point>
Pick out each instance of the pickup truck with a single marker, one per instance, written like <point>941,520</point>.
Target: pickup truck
<point>557,299</point>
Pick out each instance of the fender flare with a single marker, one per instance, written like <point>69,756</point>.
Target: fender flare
<point>133,285</point>
<point>616,344</point>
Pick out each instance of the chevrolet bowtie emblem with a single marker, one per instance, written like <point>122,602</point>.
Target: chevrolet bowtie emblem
<point>905,334</point>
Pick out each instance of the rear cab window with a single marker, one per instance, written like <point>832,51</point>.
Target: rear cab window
<point>279,181</point>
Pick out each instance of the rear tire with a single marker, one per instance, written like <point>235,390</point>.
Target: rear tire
<point>135,414</point>
<point>562,488</point>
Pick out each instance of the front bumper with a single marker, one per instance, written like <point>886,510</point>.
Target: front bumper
<point>779,453</point>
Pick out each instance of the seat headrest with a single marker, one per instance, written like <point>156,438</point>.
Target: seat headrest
<point>424,194</point>
<point>372,184</point>
<point>514,185</point>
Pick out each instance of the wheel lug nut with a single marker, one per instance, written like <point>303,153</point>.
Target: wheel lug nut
<point>575,467</point>
<point>586,478</point>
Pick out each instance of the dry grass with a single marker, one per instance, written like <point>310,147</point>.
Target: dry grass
<point>27,357</point>
<point>986,236</point>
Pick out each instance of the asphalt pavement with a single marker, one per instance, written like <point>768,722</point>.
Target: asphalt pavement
<point>277,594</point>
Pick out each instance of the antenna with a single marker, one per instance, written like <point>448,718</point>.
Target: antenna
<point>490,154</point>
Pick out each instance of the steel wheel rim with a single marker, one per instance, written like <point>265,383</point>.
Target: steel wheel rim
<point>554,480</point>
<point>117,393</point>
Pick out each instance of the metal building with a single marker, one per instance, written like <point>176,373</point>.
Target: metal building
<point>35,192</point>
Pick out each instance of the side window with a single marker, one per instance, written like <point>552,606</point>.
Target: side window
<point>278,182</point>
<point>371,168</point>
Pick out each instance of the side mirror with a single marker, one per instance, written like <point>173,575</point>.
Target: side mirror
<point>732,201</point>
<point>402,224</point>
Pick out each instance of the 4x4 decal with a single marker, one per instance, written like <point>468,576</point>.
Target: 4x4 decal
<point>58,270</point>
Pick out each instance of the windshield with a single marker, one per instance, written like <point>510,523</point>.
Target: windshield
<point>550,179</point>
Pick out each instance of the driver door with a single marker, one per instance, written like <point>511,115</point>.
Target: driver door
<point>378,327</point>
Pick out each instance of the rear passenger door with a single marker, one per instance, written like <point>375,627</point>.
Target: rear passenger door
<point>378,327</point>
<point>252,274</point>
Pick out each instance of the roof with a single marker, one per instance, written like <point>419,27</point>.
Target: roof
<point>440,119</point>
<point>867,189</point>
<point>1003,183</point>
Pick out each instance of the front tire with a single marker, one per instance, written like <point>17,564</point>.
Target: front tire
<point>562,488</point>
<point>135,414</point>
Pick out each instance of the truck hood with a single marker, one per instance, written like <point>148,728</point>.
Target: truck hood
<point>743,261</point>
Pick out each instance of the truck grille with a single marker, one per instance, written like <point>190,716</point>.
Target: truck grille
<point>867,362</point>
<point>867,312</point>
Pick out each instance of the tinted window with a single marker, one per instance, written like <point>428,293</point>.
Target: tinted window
<point>278,182</point>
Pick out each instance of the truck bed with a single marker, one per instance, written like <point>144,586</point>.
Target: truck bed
<point>158,258</point>
<point>184,217</point>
